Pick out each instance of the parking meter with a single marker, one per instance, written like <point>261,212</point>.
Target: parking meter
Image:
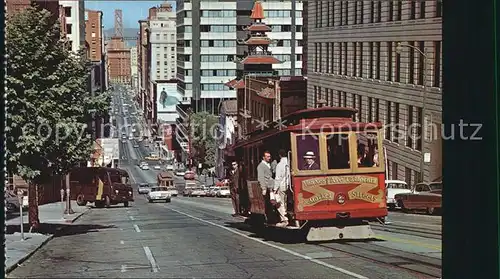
<point>20,196</point>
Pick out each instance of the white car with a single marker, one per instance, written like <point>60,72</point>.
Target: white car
<point>198,192</point>
<point>180,172</point>
<point>394,187</point>
<point>157,167</point>
<point>145,167</point>
<point>170,167</point>
<point>173,191</point>
<point>159,193</point>
<point>223,192</point>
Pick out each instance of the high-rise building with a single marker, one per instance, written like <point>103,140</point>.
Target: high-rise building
<point>208,34</point>
<point>383,58</point>
<point>94,35</point>
<point>133,67</point>
<point>162,37</point>
<point>118,61</point>
<point>75,23</point>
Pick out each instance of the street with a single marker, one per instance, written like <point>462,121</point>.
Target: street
<point>197,237</point>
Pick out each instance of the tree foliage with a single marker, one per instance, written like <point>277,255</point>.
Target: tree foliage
<point>204,145</point>
<point>48,99</point>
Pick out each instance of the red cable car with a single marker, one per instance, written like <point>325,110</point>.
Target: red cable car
<point>340,193</point>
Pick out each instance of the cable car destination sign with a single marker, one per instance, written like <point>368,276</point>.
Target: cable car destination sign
<point>360,192</point>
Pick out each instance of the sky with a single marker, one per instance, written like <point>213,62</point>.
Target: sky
<point>132,10</point>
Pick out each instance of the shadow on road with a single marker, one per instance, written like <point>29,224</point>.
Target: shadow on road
<point>58,230</point>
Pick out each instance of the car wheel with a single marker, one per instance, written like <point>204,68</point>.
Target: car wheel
<point>80,200</point>
<point>125,204</point>
<point>150,201</point>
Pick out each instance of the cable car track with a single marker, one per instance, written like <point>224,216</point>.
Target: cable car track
<point>414,263</point>
<point>406,230</point>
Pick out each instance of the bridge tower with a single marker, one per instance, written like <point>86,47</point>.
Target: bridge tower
<point>118,23</point>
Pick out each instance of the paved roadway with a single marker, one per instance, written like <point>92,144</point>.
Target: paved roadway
<point>197,237</point>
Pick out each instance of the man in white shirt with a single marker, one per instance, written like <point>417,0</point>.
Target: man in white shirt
<point>281,183</point>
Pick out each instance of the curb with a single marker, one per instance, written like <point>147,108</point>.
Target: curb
<point>27,256</point>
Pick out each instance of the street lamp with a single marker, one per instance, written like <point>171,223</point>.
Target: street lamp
<point>399,48</point>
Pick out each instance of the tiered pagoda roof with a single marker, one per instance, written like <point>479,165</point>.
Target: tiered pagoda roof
<point>257,43</point>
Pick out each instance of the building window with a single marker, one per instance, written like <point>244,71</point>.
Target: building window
<point>379,11</point>
<point>422,9</point>
<point>316,57</point>
<point>388,120</point>
<point>328,58</point>
<point>370,57</point>
<point>329,19</point>
<point>389,61</point>
<point>315,96</point>
<point>370,109</point>
<point>396,123</point>
<point>391,11</point>
<point>341,19</point>
<point>439,8</point>
<point>361,58</point>
<point>421,63</point>
<point>377,110</point>
<point>372,11</point>
<point>354,57</point>
<point>320,55</point>
<point>394,171</point>
<point>399,10</point>
<point>346,13</point>
<point>345,59</point>
<point>397,68</point>
<point>67,11</point>
<point>413,9</point>
<point>68,29</point>
<point>339,68</point>
<point>378,63</point>
<point>411,63</point>
<point>410,128</point>
<point>408,176</point>
<point>332,57</point>
<point>437,64</point>
<point>419,137</point>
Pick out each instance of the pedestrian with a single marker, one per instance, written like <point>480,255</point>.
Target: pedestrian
<point>234,188</point>
<point>281,184</point>
<point>264,175</point>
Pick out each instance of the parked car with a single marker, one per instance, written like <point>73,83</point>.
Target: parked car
<point>143,188</point>
<point>11,201</point>
<point>157,167</point>
<point>145,166</point>
<point>394,187</point>
<point>198,192</point>
<point>173,191</point>
<point>180,172</point>
<point>223,192</point>
<point>212,191</point>
<point>424,196</point>
<point>159,193</point>
<point>189,175</point>
<point>170,167</point>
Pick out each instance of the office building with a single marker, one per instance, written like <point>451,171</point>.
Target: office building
<point>366,55</point>
<point>118,61</point>
<point>75,23</point>
<point>133,67</point>
<point>208,34</point>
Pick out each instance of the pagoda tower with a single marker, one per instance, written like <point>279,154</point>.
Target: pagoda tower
<point>258,59</point>
<point>257,65</point>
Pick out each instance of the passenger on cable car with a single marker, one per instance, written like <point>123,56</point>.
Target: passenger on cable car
<point>264,173</point>
<point>281,183</point>
<point>310,163</point>
<point>235,187</point>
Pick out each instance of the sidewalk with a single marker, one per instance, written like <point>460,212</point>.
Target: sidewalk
<point>17,250</point>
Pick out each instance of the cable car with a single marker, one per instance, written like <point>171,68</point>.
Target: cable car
<point>336,178</point>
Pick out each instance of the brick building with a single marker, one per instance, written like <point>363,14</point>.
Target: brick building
<point>355,61</point>
<point>94,35</point>
<point>118,61</point>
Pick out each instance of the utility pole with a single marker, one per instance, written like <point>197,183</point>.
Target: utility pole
<point>68,197</point>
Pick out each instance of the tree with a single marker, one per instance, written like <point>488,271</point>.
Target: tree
<point>204,143</point>
<point>48,102</point>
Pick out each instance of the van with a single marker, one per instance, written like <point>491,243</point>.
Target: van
<point>101,186</point>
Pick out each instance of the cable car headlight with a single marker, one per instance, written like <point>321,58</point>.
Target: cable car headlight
<point>341,198</point>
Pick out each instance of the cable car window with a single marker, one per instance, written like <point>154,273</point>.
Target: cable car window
<point>308,152</point>
<point>338,151</point>
<point>367,149</point>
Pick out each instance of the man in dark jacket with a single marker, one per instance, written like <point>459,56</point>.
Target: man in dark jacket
<point>235,187</point>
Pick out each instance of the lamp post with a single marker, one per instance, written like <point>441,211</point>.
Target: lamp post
<point>424,102</point>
